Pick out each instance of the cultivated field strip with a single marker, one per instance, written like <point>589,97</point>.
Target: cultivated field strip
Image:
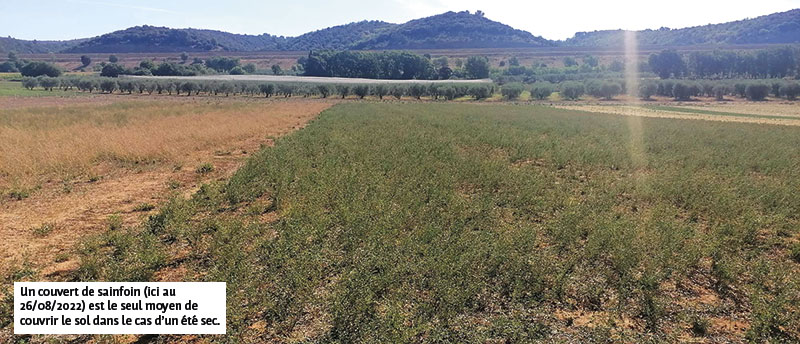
<point>779,116</point>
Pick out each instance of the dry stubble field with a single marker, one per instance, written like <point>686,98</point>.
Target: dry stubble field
<point>69,166</point>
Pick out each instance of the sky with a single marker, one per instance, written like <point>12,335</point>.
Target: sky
<point>68,19</point>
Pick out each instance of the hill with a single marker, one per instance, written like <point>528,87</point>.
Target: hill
<point>34,47</point>
<point>338,37</point>
<point>781,27</point>
<point>451,30</point>
<point>161,39</point>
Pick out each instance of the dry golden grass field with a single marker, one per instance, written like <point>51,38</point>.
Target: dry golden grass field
<point>68,166</point>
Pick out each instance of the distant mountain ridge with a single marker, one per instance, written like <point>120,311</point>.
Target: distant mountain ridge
<point>783,27</point>
<point>35,47</point>
<point>450,30</point>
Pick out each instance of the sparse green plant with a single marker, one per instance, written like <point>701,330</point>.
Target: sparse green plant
<point>699,326</point>
<point>44,229</point>
<point>794,252</point>
<point>174,184</point>
<point>114,222</point>
<point>204,168</point>
<point>144,207</point>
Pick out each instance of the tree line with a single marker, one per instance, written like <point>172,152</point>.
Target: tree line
<point>392,65</point>
<point>255,88</point>
<point>755,90</point>
<point>682,90</point>
<point>28,68</point>
<point>780,62</point>
<point>769,63</point>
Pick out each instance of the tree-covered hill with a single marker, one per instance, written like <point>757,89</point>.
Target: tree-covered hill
<point>781,27</point>
<point>339,37</point>
<point>161,39</point>
<point>451,30</point>
<point>8,44</point>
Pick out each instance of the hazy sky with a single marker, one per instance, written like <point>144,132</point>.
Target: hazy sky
<point>66,19</point>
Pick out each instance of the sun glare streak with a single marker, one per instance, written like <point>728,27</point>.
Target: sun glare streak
<point>636,144</point>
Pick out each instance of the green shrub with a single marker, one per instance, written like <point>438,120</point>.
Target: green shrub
<point>343,90</point>
<point>108,86</point>
<point>541,91</point>
<point>608,90</point>
<point>417,90</point>
<point>30,83</point>
<point>647,90</point>
<point>757,91</point>
<point>790,90</point>
<point>113,70</point>
<point>572,90</point>
<point>49,83</point>
<point>380,90</point>
<point>512,91</point>
<point>682,91</point>
<point>361,91</point>
<point>38,68</point>
<point>480,92</point>
<point>720,91</point>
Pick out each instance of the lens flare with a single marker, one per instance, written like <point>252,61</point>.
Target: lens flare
<point>636,144</point>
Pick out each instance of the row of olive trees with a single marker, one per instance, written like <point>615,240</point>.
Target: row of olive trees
<point>255,88</point>
<point>756,90</point>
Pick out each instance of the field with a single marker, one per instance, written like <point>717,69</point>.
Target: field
<point>779,113</point>
<point>68,165</point>
<point>412,222</point>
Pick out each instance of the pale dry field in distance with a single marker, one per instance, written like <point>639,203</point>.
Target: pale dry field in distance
<point>770,112</point>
